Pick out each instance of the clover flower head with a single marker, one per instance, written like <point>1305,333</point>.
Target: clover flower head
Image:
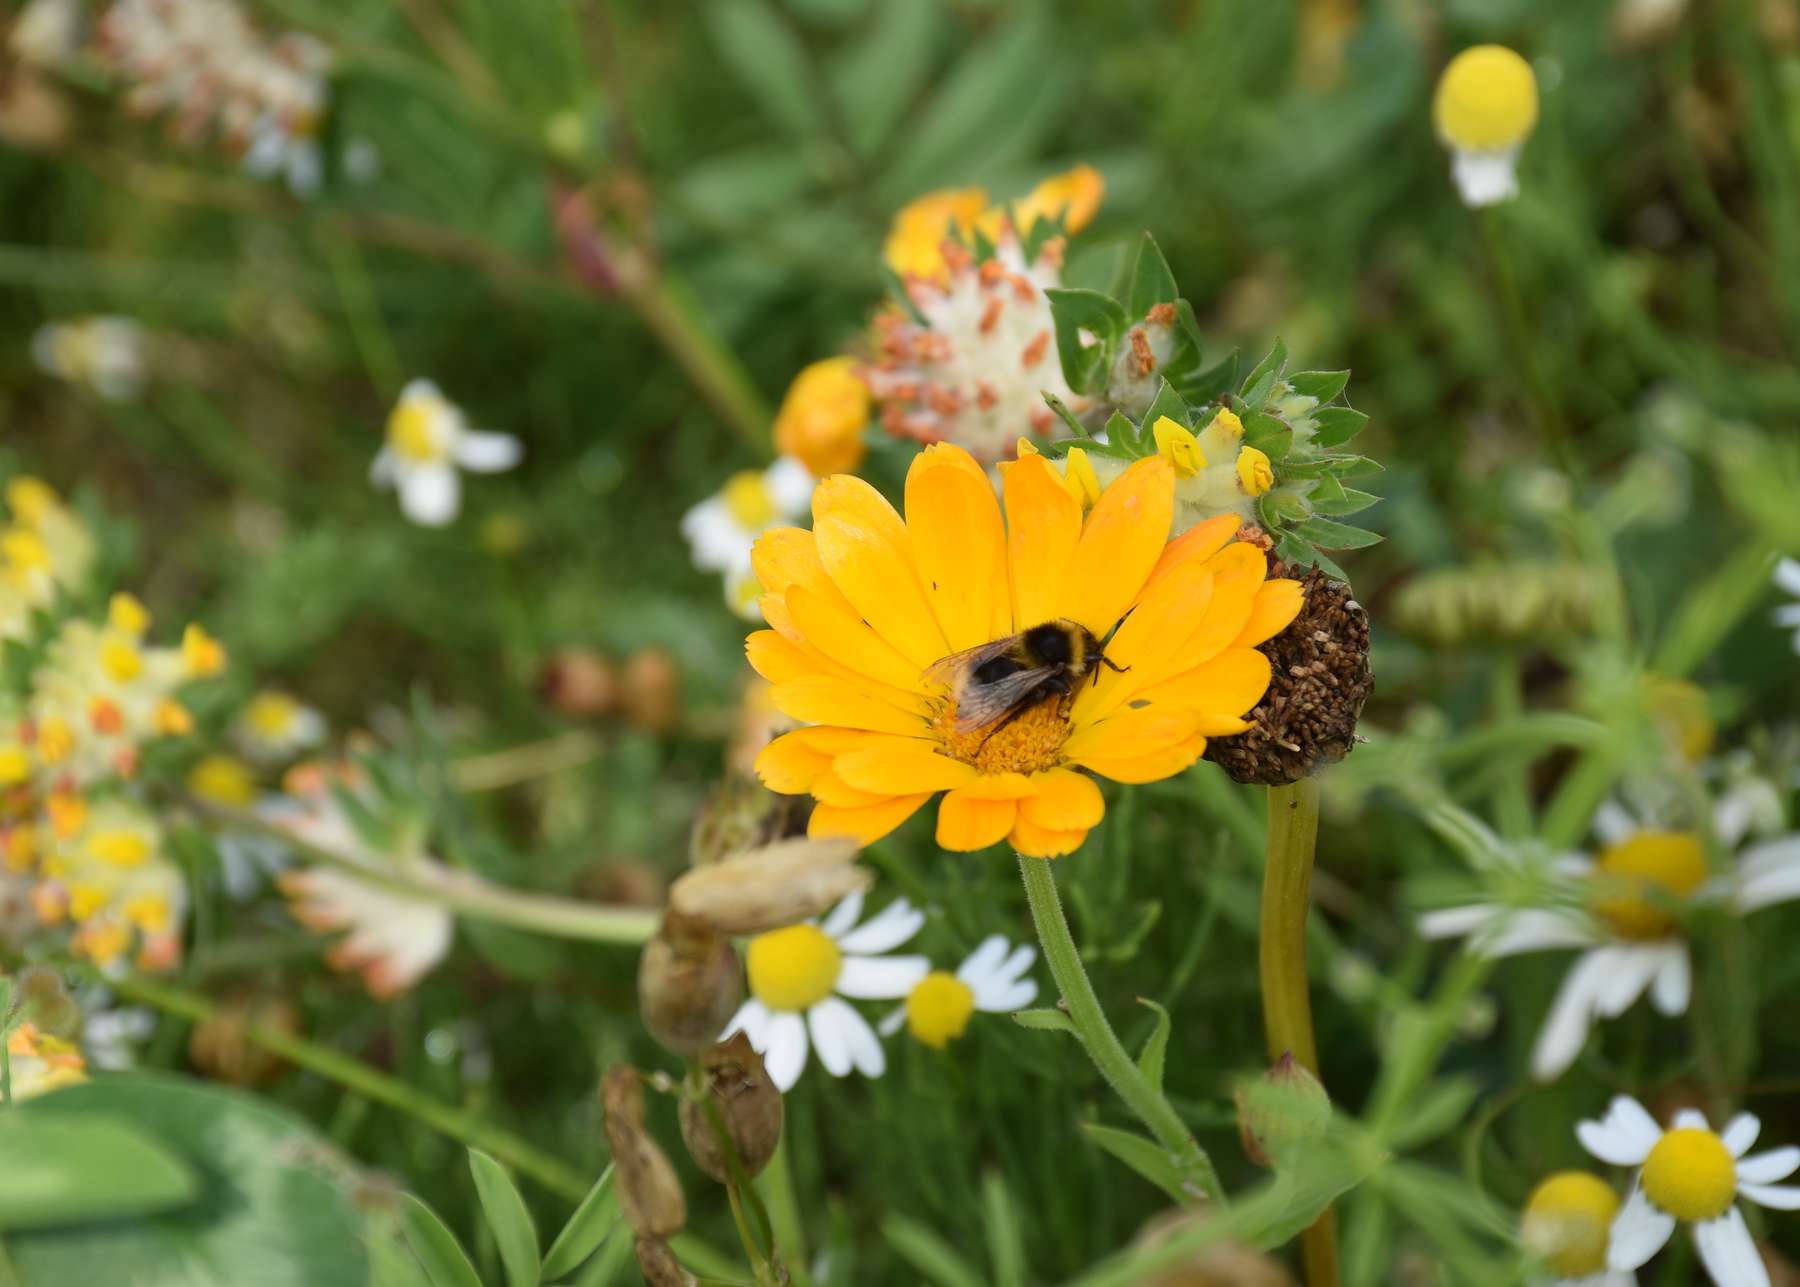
<point>721,529</point>
<point>428,441</point>
<point>102,354</point>
<point>992,980</point>
<point>1484,109</point>
<point>801,975</point>
<point>1689,1173</point>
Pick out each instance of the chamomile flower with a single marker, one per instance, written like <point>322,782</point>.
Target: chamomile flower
<point>276,726</point>
<point>867,602</point>
<point>1787,616</point>
<point>1485,108</point>
<point>1622,908</point>
<point>823,416</point>
<point>104,354</point>
<point>428,441</point>
<point>1566,1226</point>
<point>800,975</point>
<point>721,529</point>
<point>992,980</point>
<point>1690,1173</point>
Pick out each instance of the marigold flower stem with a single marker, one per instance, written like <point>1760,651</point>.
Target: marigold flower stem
<point>1281,952</point>
<point>1099,1040</point>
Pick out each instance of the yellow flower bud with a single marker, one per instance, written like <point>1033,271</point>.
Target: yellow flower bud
<point>1254,472</point>
<point>1179,447</point>
<point>823,416</point>
<point>1081,480</point>
<point>914,246</point>
<point>127,614</point>
<point>1227,422</point>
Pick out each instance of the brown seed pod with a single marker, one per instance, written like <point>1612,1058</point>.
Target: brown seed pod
<point>1321,677</point>
<point>748,1106</point>
<point>689,983</point>
<point>579,682</point>
<point>643,1177</point>
<point>220,1046</point>
<point>770,887</point>
<point>658,1264</point>
<point>651,690</point>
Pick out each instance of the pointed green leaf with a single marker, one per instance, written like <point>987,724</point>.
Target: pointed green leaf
<point>1323,385</point>
<point>508,1217</point>
<point>586,1229</point>
<point>1156,1046</point>
<point>1006,1244</point>
<point>1335,426</point>
<point>1067,416</point>
<point>1268,435</point>
<point>1134,439</point>
<point>768,60</point>
<point>882,71</point>
<point>66,1170</point>
<point>1044,1018</point>
<point>1438,1109</point>
<point>1337,536</point>
<point>1145,1156</point>
<point>1085,365</point>
<point>1262,377</point>
<point>1168,403</point>
<point>926,1251</point>
<point>1151,281</point>
<point>1351,502</point>
<point>445,1262</point>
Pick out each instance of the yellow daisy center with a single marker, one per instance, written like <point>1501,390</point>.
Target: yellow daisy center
<point>223,780</point>
<point>938,1009</point>
<point>1486,100</point>
<point>1029,742</point>
<point>411,432</point>
<point>271,715</point>
<point>1567,1223</point>
<point>119,848</point>
<point>793,968</point>
<point>1690,1174</point>
<point>1642,871</point>
<point>748,502</point>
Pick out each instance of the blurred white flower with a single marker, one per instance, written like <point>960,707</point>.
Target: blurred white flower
<point>721,529</point>
<point>276,726</point>
<point>110,1033</point>
<point>428,440</point>
<point>1787,616</point>
<point>992,980</point>
<point>47,32</point>
<point>104,354</point>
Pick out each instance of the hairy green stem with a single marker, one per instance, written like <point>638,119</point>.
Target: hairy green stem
<point>1281,959</point>
<point>1519,339</point>
<point>1099,1040</point>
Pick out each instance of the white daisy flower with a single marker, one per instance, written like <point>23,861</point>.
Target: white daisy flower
<point>106,354</point>
<point>1689,1173</point>
<point>799,977</point>
<point>276,726</point>
<point>1485,107</point>
<point>1787,616</point>
<point>1620,907</point>
<point>992,980</point>
<point>721,529</point>
<point>428,440</point>
<point>1566,1226</point>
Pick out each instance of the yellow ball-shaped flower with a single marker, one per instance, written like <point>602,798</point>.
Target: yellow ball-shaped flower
<point>1486,100</point>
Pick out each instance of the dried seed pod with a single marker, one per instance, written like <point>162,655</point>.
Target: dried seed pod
<point>767,888</point>
<point>742,814</point>
<point>220,1046</point>
<point>748,1105</point>
<point>1285,1107</point>
<point>659,1266</point>
<point>643,1177</point>
<point>579,682</point>
<point>1321,677</point>
<point>651,690</point>
<point>1224,1264</point>
<point>689,983</point>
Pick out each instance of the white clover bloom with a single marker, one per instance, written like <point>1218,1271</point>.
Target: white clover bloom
<point>104,354</point>
<point>276,726</point>
<point>1485,107</point>
<point>1620,907</point>
<point>1567,1225</point>
<point>428,440</point>
<point>799,977</point>
<point>1787,616</point>
<point>721,529</point>
<point>1689,1173</point>
<point>992,980</point>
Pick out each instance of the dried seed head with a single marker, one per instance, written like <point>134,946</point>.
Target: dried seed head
<point>1223,1264</point>
<point>658,1265</point>
<point>1284,1107</point>
<point>1321,677</point>
<point>689,983</point>
<point>643,1177</point>
<point>651,690</point>
<point>221,1048</point>
<point>579,682</point>
<point>768,888</point>
<point>748,1108</point>
<point>743,814</point>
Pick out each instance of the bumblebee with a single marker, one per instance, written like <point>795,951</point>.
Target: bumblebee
<point>999,681</point>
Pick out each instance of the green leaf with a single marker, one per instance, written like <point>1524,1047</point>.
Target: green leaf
<point>96,1167</point>
<point>1440,1108</point>
<point>1151,281</point>
<point>1167,403</point>
<point>1262,377</point>
<point>1132,440</point>
<point>508,1217</point>
<point>1045,1019</point>
<point>586,1229</point>
<point>1337,536</point>
<point>1066,416</point>
<point>274,1207</point>
<point>1323,385</point>
<point>1156,1046</point>
<point>929,1253</point>
<point>1085,365</point>
<point>882,71</point>
<point>1335,426</point>
<point>1350,502</point>
<point>1218,379</point>
<point>1268,434</point>
<point>1145,1156</point>
<point>768,60</point>
<point>1006,1244</point>
<point>445,1262</point>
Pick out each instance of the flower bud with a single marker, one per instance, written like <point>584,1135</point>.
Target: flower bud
<point>768,888</point>
<point>689,983</point>
<point>748,1107</point>
<point>643,1177</point>
<point>579,682</point>
<point>1285,1107</point>
<point>651,690</point>
<point>220,1045</point>
<point>1320,679</point>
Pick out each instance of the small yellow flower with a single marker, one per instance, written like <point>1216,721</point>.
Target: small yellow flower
<point>127,614</point>
<point>201,654</point>
<point>119,848</point>
<point>172,719</point>
<point>1081,480</point>
<point>121,661</point>
<point>914,246</point>
<point>1567,1223</point>
<point>223,779</point>
<point>42,1063</point>
<point>15,764</point>
<point>1227,422</point>
<point>55,739</point>
<point>31,499</point>
<point>1254,472</point>
<point>823,416</point>
<point>1073,195</point>
<point>1177,444</point>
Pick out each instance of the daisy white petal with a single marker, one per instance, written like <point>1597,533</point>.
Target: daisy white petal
<point>421,389</point>
<point>488,453</point>
<point>888,929</point>
<point>1691,1119</point>
<point>828,1022</point>
<point>1767,1168</point>
<point>1788,615</point>
<point>1015,997</point>
<point>1780,1197</point>
<point>1771,855</point>
<point>1729,1252</point>
<point>1613,823</point>
<point>430,494</point>
<point>1623,1137</point>
<point>880,978</point>
<point>839,919</point>
<point>1670,989</point>
<point>790,485</point>
<point>893,1021</point>
<point>1638,1231</point>
<point>752,1019</point>
<point>381,469</point>
<point>1787,575</point>
<point>784,1050</point>
<point>1635,966</point>
<point>859,1039</point>
<point>1533,930</point>
<point>1572,1013</point>
<point>1740,1133</point>
<point>1486,178</point>
<point>984,962</point>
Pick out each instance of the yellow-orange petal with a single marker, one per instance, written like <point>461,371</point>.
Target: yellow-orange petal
<point>1236,580</point>
<point>1277,604</point>
<point>1152,766</point>
<point>998,786</point>
<point>790,765</point>
<point>967,822</point>
<point>1034,841</point>
<point>1065,801</point>
<point>1230,684</point>
<point>826,699</point>
<point>787,556</point>
<point>1147,646</point>
<point>829,788</point>
<point>1130,732</point>
<point>866,549</point>
<point>1043,529</point>
<point>901,768</point>
<point>774,658</point>
<point>1199,542</point>
<point>1120,542</point>
<point>866,825</point>
<point>960,545</point>
<point>838,633</point>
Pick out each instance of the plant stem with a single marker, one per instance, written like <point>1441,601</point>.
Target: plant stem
<point>1099,1040</point>
<point>1518,337</point>
<point>776,1185</point>
<point>714,371</point>
<point>1281,955</point>
<point>459,1124</point>
<point>515,764</point>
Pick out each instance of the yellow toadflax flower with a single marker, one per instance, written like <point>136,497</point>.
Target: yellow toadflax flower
<point>1485,107</point>
<point>867,602</point>
<point>823,416</point>
<point>915,243</point>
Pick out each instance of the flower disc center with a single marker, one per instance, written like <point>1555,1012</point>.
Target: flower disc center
<point>747,499</point>
<point>1029,742</point>
<point>411,433</point>
<point>1690,1174</point>
<point>1567,1223</point>
<point>794,968</point>
<point>1641,874</point>
<point>938,1009</point>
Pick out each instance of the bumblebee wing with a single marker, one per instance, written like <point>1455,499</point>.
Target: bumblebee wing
<point>952,672</point>
<point>978,705</point>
